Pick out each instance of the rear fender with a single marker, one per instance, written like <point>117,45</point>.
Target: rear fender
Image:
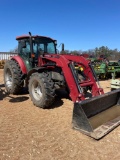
<point>21,63</point>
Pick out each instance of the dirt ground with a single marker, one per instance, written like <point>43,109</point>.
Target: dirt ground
<point>31,133</point>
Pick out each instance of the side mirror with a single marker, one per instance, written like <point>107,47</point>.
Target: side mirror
<point>62,46</point>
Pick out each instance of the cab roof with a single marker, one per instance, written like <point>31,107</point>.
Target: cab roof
<point>34,36</point>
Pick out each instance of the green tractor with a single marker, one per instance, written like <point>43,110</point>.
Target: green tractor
<point>100,68</point>
<point>113,69</point>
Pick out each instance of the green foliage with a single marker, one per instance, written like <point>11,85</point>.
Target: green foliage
<point>102,51</point>
<point>112,54</point>
<point>98,51</point>
<point>15,50</point>
<point>108,53</point>
<point>64,52</point>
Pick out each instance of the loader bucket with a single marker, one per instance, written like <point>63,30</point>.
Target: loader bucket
<point>97,116</point>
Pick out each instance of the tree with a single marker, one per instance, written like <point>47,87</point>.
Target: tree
<point>65,52</point>
<point>103,50</point>
<point>15,50</point>
<point>75,52</point>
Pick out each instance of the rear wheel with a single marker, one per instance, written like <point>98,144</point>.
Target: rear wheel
<point>41,89</point>
<point>13,77</point>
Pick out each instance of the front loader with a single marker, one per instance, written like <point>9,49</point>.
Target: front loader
<point>44,71</point>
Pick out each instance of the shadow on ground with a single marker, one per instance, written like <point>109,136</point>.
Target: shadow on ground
<point>2,85</point>
<point>58,100</point>
<point>18,99</point>
<point>62,94</point>
<point>4,94</point>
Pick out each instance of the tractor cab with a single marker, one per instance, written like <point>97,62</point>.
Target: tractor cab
<point>30,48</point>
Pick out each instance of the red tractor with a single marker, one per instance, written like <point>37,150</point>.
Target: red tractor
<point>43,70</point>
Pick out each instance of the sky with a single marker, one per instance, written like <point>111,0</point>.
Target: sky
<point>79,24</point>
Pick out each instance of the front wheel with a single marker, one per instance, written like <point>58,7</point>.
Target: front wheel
<point>41,89</point>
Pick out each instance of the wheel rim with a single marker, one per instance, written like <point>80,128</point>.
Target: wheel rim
<point>8,78</point>
<point>36,90</point>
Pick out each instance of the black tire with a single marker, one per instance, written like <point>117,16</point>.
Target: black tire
<point>41,90</point>
<point>112,89</point>
<point>13,77</point>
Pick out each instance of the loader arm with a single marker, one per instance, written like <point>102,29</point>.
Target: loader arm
<point>62,62</point>
<point>66,63</point>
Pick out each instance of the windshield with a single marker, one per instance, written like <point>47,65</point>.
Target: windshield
<point>41,46</point>
<point>44,45</point>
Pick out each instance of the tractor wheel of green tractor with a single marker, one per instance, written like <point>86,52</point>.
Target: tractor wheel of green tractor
<point>41,89</point>
<point>112,89</point>
<point>102,76</point>
<point>13,77</point>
